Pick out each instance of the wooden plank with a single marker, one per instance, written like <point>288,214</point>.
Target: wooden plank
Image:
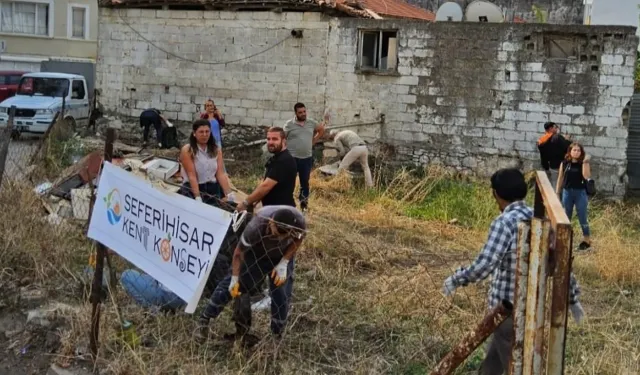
<point>559,300</point>
<point>541,290</point>
<point>520,297</point>
<point>554,210</point>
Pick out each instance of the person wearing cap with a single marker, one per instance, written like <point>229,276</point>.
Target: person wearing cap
<point>267,246</point>
<point>498,259</point>
<point>553,147</point>
<point>351,148</point>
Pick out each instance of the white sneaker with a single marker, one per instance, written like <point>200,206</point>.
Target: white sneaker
<point>263,304</point>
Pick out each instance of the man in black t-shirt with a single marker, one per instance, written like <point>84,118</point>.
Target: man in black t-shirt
<point>280,176</point>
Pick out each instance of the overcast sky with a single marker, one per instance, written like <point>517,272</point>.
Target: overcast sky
<point>615,12</point>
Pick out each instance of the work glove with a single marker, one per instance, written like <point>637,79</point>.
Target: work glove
<point>231,197</point>
<point>199,199</point>
<point>448,287</point>
<point>577,312</point>
<point>234,287</point>
<point>279,273</point>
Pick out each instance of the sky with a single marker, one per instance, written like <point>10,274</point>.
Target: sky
<point>615,12</point>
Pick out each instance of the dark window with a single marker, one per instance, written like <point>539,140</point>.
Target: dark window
<point>77,90</point>
<point>13,80</point>
<point>378,50</point>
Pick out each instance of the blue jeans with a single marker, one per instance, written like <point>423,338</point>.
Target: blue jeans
<point>148,293</point>
<point>304,173</point>
<point>577,198</point>
<point>280,298</point>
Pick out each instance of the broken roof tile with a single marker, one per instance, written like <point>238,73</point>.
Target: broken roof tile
<point>376,9</point>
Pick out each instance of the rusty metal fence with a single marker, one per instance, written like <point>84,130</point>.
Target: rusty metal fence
<point>541,295</point>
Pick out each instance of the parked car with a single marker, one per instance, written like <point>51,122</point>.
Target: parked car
<point>41,95</point>
<point>9,81</point>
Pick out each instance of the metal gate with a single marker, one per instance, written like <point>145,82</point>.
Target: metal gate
<point>633,148</point>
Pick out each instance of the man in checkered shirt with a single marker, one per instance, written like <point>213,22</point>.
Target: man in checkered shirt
<point>498,258</point>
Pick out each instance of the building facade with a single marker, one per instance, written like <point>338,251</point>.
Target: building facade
<point>33,31</point>
<point>471,96</point>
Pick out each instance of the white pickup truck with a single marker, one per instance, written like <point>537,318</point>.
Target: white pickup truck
<point>40,97</point>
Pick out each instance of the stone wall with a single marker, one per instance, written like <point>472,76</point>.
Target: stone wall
<point>135,73</point>
<point>475,96</point>
<point>468,95</point>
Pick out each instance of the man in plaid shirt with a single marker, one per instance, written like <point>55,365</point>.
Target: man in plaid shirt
<point>498,258</point>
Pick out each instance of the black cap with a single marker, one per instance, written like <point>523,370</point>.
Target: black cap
<point>549,125</point>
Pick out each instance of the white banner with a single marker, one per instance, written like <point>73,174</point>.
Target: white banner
<point>172,238</point>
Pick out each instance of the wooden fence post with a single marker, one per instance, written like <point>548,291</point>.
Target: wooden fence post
<point>96,287</point>
<point>5,141</point>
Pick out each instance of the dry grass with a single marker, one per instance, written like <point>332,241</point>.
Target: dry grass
<point>367,294</point>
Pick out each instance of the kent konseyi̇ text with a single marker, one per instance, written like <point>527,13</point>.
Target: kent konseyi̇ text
<point>177,229</point>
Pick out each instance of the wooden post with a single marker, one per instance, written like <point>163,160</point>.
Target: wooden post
<point>101,250</point>
<point>560,267</point>
<point>520,297</point>
<point>5,141</point>
<point>559,300</point>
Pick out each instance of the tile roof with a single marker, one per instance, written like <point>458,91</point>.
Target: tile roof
<point>398,9</point>
<point>356,8</point>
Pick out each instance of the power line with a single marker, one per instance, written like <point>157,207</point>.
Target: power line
<point>195,61</point>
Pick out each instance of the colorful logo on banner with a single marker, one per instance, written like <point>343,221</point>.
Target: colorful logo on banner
<point>114,206</point>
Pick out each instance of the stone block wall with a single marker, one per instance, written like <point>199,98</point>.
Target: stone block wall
<point>475,96</point>
<point>137,69</point>
<point>467,95</point>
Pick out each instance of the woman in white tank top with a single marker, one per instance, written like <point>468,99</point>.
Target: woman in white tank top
<point>202,169</point>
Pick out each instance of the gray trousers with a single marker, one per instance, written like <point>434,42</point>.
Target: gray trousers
<point>497,360</point>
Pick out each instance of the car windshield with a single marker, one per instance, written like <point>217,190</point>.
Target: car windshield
<point>55,87</point>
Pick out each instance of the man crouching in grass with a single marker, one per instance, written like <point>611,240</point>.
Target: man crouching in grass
<point>267,246</point>
<point>498,258</point>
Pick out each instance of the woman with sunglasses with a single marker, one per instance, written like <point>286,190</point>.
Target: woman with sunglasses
<point>216,120</point>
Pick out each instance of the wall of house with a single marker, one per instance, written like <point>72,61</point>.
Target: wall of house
<point>558,11</point>
<point>26,51</point>
<point>258,90</point>
<point>466,95</point>
<point>476,96</point>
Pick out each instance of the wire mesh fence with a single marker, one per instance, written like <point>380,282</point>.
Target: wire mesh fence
<point>364,286</point>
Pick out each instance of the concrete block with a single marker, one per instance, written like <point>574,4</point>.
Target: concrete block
<point>573,110</point>
<point>409,99</point>
<point>510,47</point>
<point>605,142</point>
<point>408,80</point>
<point>532,86</point>
<point>609,80</point>
<point>615,154</point>
<point>537,117</point>
<point>584,120</point>
<point>525,146</point>
<point>182,116</point>
<point>534,107</point>
<point>609,121</point>
<point>532,67</point>
<point>622,91</point>
<point>529,127</point>
<point>559,119</point>
<point>540,77</point>
<point>612,59</point>
<point>617,132</point>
